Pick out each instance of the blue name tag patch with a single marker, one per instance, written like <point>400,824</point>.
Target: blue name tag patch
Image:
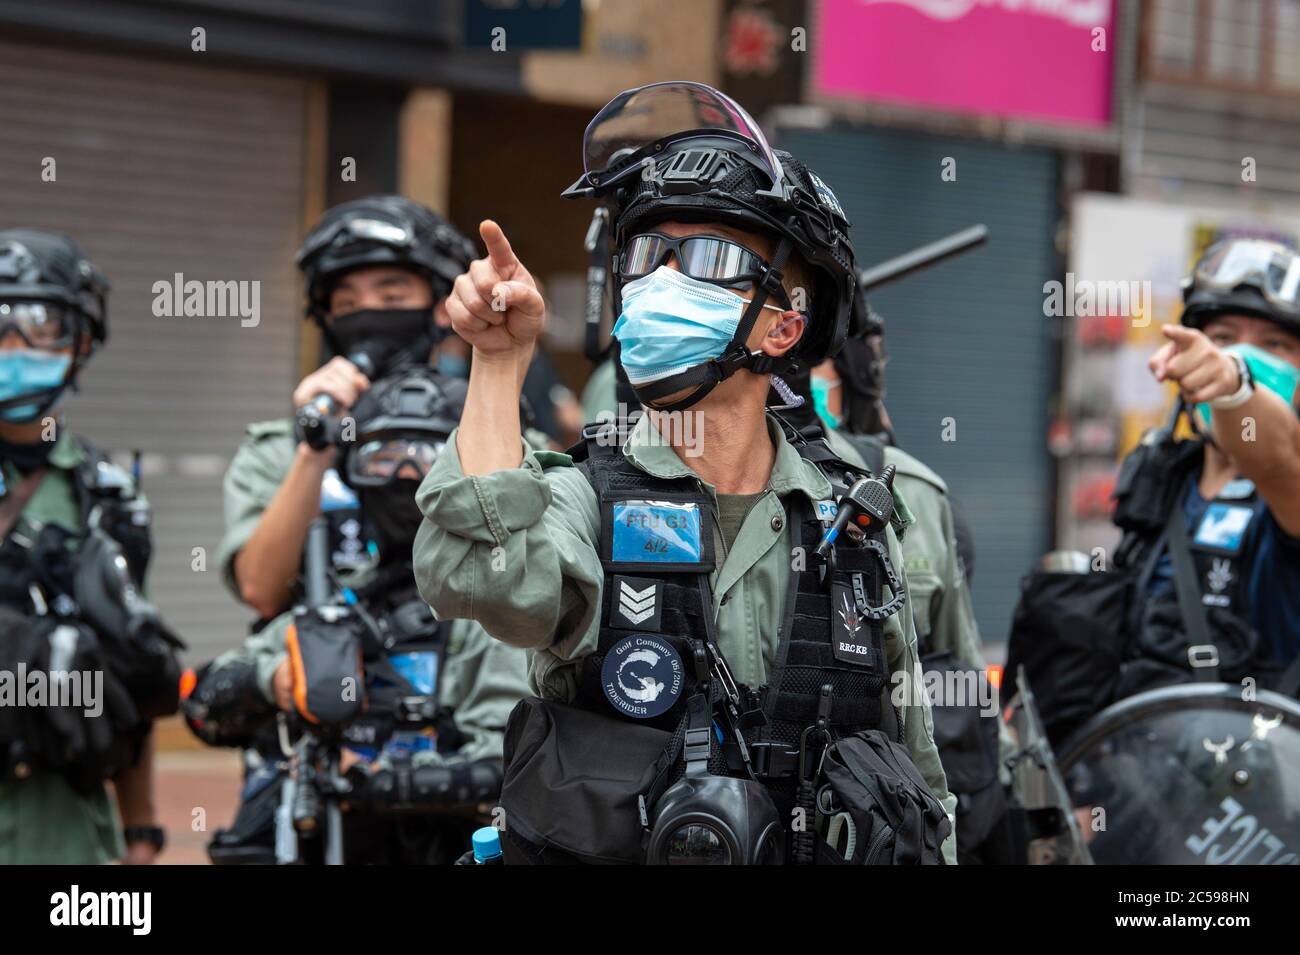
<point>657,531</point>
<point>1224,526</point>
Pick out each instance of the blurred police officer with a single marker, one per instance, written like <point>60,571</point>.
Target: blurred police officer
<point>54,807</point>
<point>440,769</point>
<point>1213,525</point>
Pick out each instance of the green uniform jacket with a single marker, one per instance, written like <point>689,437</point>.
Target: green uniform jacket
<point>936,580</point>
<point>481,680</point>
<point>516,551</point>
<point>43,820</point>
<point>599,391</point>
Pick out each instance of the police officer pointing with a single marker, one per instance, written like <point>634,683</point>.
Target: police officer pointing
<point>666,580</point>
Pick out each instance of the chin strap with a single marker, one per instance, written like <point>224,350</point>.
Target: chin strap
<point>704,378</point>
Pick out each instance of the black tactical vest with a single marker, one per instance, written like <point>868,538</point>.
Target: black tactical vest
<point>657,660</point>
<point>103,494</point>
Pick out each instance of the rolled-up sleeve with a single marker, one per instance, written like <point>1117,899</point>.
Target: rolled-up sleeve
<point>254,475</point>
<point>514,550</point>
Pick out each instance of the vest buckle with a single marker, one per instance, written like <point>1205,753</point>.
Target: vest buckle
<point>1203,655</point>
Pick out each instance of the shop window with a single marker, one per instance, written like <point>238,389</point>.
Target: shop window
<point>1233,44</point>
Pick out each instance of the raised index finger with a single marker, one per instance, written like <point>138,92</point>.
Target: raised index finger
<point>498,247</point>
<point>1180,335</point>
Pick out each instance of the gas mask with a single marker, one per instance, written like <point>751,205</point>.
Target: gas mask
<point>716,820</point>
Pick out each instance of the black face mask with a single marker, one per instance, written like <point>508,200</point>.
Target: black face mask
<point>26,457</point>
<point>385,334</point>
<point>394,517</point>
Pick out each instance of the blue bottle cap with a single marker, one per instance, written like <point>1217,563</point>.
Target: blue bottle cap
<point>487,844</point>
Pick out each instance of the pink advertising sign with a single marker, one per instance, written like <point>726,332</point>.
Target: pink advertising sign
<point>1028,59</point>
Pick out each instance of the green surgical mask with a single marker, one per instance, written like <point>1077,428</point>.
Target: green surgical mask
<point>821,390</point>
<point>1269,371</point>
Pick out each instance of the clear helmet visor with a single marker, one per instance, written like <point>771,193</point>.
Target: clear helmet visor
<point>640,122</point>
<point>1268,266</point>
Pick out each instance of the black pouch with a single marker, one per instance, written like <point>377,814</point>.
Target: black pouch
<point>23,734</point>
<point>567,801</point>
<point>325,655</point>
<point>1069,633</point>
<point>84,739</point>
<point>874,798</point>
<point>139,646</point>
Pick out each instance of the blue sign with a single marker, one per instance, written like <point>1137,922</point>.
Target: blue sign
<point>505,26</point>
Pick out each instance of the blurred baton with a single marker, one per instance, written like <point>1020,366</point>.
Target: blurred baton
<point>904,265</point>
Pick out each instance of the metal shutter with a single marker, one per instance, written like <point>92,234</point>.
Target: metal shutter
<point>969,340</point>
<point>165,168</point>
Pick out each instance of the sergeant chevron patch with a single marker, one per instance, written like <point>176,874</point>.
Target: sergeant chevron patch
<point>636,603</point>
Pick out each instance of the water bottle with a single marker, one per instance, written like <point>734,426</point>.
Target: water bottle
<point>487,846</point>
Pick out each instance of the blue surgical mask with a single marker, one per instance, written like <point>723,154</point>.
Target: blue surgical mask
<point>821,390</point>
<point>453,366</point>
<point>1270,373</point>
<point>28,371</point>
<point>671,322</point>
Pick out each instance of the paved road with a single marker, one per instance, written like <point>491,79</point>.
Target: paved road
<point>196,792</point>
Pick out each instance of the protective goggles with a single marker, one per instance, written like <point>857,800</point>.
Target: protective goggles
<point>46,325</point>
<point>1269,267</point>
<point>378,461</point>
<point>348,231</point>
<point>640,123</point>
<point>704,257</point>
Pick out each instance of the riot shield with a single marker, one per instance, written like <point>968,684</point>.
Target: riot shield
<point>1041,811</point>
<point>1189,775</point>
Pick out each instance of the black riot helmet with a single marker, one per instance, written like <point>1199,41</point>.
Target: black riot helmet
<point>400,424</point>
<point>51,294</point>
<point>685,152</point>
<point>379,230</point>
<point>1249,276</point>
